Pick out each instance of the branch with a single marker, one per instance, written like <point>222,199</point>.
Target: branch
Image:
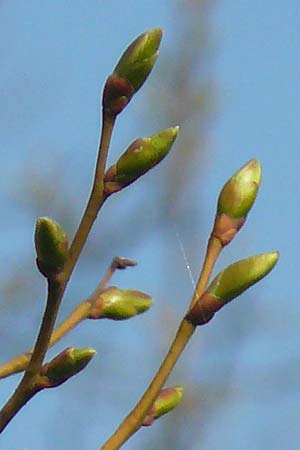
<point>30,383</point>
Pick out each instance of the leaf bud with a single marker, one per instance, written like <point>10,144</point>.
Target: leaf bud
<point>51,244</point>
<point>131,71</point>
<point>229,284</point>
<point>235,201</point>
<point>67,364</point>
<point>119,304</point>
<point>141,156</point>
<point>166,401</point>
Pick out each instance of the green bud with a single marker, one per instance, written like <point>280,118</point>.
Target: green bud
<point>139,58</point>
<point>238,277</point>
<point>229,284</point>
<point>235,201</point>
<point>67,364</point>
<point>167,400</point>
<point>119,304</point>
<point>239,193</point>
<point>141,156</point>
<point>51,244</point>
<point>131,71</point>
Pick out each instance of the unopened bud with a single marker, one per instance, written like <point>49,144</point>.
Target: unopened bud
<point>131,71</point>
<point>229,284</point>
<point>119,304</point>
<point>51,244</point>
<point>235,201</point>
<point>141,156</point>
<point>166,401</point>
<point>67,364</point>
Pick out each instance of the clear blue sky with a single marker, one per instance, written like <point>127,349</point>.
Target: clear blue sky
<point>54,58</point>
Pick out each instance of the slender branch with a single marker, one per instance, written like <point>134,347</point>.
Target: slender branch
<point>27,387</point>
<point>213,250</point>
<point>24,392</point>
<point>30,384</point>
<point>96,199</point>
<point>55,292</point>
<point>134,420</point>
<point>21,362</point>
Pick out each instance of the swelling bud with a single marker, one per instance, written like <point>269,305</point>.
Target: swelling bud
<point>140,157</point>
<point>119,304</point>
<point>229,284</point>
<point>167,400</point>
<point>131,71</point>
<point>235,201</point>
<point>51,244</point>
<point>67,364</point>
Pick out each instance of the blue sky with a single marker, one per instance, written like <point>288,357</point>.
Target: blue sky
<point>54,58</point>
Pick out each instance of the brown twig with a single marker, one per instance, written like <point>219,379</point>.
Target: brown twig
<point>29,384</point>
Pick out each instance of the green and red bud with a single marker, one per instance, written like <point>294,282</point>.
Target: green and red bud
<point>67,364</point>
<point>229,284</point>
<point>119,304</point>
<point>235,201</point>
<point>51,244</point>
<point>141,156</point>
<point>166,401</point>
<point>131,71</point>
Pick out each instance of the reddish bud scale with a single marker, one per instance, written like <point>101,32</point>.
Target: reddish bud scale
<point>229,284</point>
<point>96,309</point>
<point>204,309</point>
<point>225,228</point>
<point>116,95</point>
<point>165,402</point>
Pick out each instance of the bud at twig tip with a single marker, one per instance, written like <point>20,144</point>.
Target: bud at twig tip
<point>131,71</point>
<point>235,201</point>
<point>119,304</point>
<point>239,193</point>
<point>51,244</point>
<point>138,59</point>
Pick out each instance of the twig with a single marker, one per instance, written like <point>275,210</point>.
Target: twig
<point>29,384</point>
<point>96,199</point>
<point>31,381</point>
<point>134,420</point>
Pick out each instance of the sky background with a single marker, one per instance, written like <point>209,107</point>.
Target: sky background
<point>55,57</point>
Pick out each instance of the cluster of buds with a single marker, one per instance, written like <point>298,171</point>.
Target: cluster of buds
<point>235,201</point>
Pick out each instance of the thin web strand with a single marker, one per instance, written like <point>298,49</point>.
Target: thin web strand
<point>187,264</point>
